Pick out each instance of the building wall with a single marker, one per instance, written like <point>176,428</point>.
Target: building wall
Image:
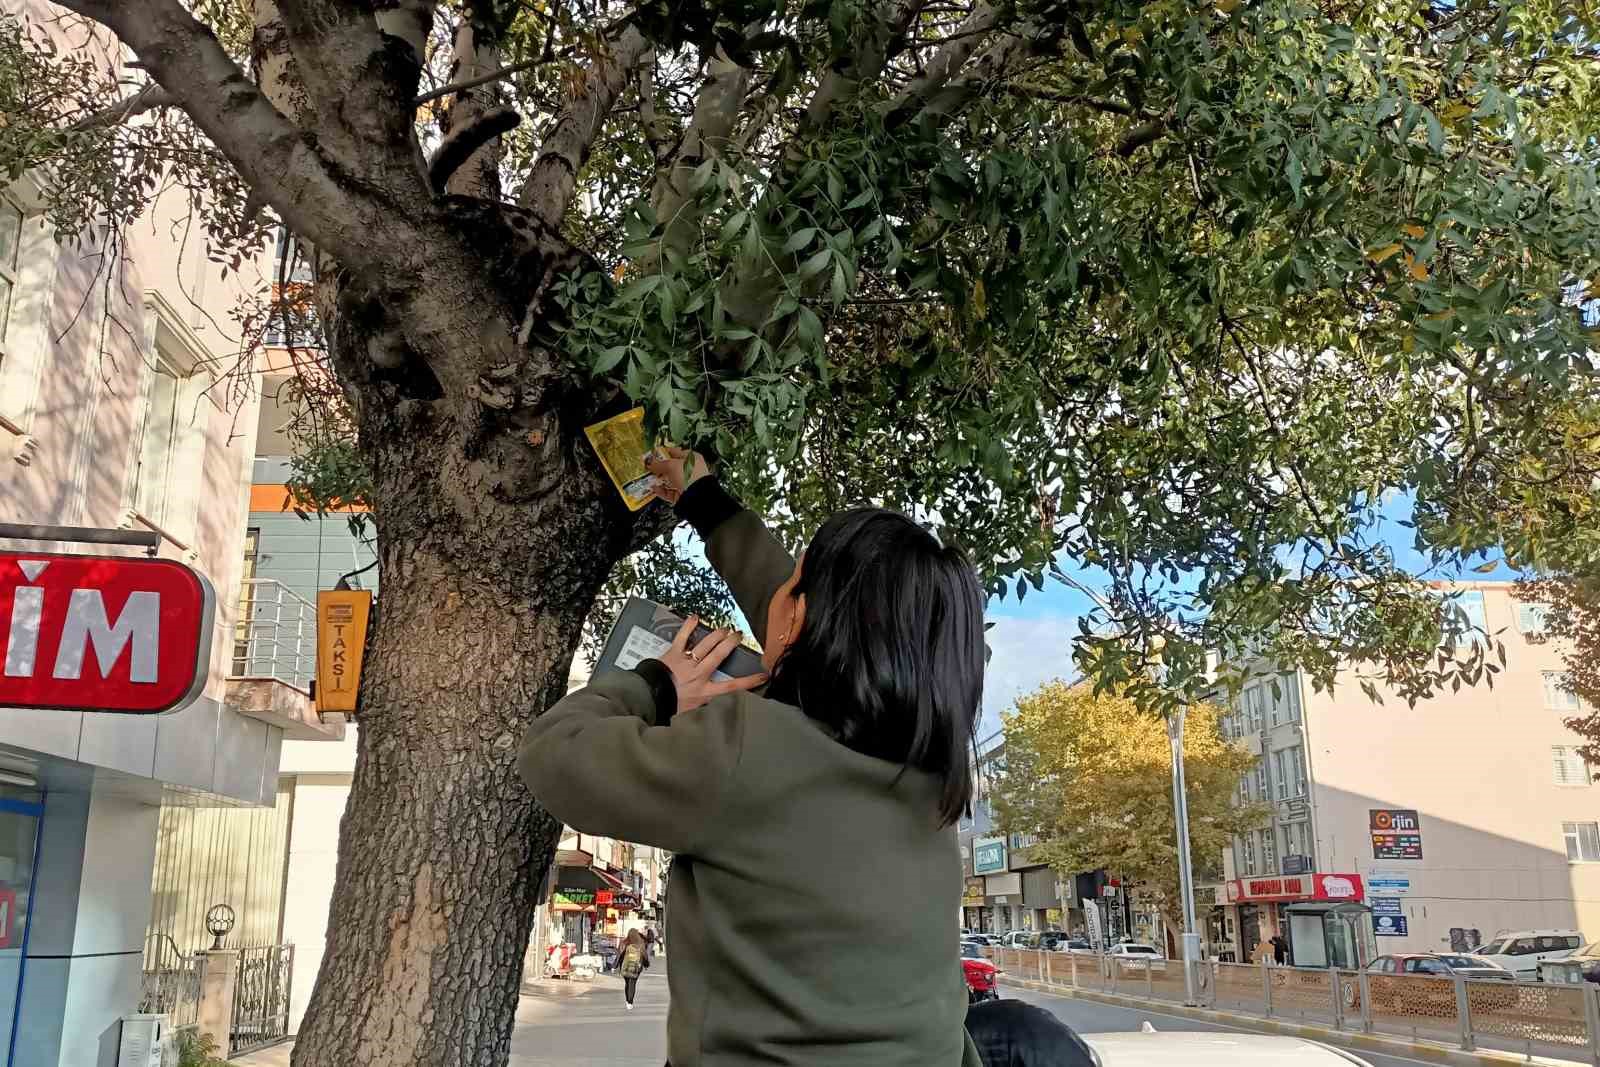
<point>1478,767</point>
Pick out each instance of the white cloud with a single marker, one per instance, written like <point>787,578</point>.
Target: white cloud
<point>1027,653</point>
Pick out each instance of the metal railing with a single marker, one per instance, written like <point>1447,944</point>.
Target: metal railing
<point>276,635</point>
<point>1529,1018</point>
<point>261,998</point>
<point>170,983</point>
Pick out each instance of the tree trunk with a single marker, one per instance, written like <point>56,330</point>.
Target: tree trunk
<point>442,851</point>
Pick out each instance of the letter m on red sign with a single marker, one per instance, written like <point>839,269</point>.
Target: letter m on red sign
<point>99,633</point>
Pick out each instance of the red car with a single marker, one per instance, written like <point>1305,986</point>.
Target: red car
<point>980,974</point>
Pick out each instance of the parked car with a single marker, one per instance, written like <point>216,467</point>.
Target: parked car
<point>1440,964</point>
<point>1130,949</point>
<point>1049,939</point>
<point>980,974</point>
<point>1074,944</point>
<point>1521,951</point>
<point>1404,997</point>
<point>1582,966</point>
<point>1016,939</point>
<point>1148,1048</point>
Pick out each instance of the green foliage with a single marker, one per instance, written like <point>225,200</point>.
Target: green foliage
<point>1184,305</point>
<point>664,572</point>
<point>198,1050</point>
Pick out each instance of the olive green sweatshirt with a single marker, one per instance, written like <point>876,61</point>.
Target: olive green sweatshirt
<point>813,900</point>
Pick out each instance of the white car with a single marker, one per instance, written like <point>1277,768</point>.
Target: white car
<point>1147,1048</point>
<point>1521,951</point>
<point>1131,950</point>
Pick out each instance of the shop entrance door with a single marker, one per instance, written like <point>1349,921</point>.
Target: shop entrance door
<point>19,849</point>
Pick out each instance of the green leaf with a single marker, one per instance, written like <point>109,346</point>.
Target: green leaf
<point>816,263</point>
<point>799,239</point>
<point>609,358</point>
<point>839,289</point>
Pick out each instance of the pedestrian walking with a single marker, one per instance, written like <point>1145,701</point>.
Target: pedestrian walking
<point>1280,950</point>
<point>815,864</point>
<point>632,960</point>
<point>1263,951</point>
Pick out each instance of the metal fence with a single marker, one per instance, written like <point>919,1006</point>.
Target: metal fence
<point>170,983</point>
<point>261,998</point>
<point>276,635</point>
<point>1531,1018</point>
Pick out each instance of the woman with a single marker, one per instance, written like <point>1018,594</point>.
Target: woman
<point>633,958</point>
<point>816,878</point>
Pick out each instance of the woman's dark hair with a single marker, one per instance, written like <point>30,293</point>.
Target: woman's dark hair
<point>890,656</point>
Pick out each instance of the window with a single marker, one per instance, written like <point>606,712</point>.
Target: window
<point>1299,770</point>
<point>1269,857</point>
<point>1570,766</point>
<point>1471,605</point>
<point>1245,795</point>
<point>1263,786</point>
<point>10,246</point>
<point>1531,618</point>
<point>1557,695</point>
<point>1583,841</point>
<point>1285,698</point>
<point>247,600</point>
<point>158,443</point>
<point>1249,857</point>
<point>1523,946</point>
<point>1253,707</point>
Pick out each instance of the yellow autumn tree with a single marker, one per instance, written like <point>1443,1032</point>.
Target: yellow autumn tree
<point>1090,776</point>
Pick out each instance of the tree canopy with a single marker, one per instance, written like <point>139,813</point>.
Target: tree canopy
<point>1091,777</point>
<point>1176,292</point>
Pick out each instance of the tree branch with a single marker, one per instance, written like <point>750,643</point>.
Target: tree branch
<point>1141,135</point>
<point>945,63</point>
<point>482,79</point>
<point>872,51</point>
<point>269,151</point>
<point>716,109</point>
<point>554,174</point>
<point>149,98</point>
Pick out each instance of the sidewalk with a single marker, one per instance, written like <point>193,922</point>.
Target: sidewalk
<point>562,1023</point>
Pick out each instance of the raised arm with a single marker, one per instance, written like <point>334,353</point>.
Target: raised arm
<point>738,543</point>
<point>612,760</point>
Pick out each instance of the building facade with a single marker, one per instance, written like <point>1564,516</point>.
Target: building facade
<point>115,417</point>
<point>1468,814</point>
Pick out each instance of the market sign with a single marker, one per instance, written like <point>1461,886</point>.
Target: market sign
<point>988,855</point>
<point>579,898</point>
<point>341,642</point>
<point>1331,887</point>
<point>103,633</point>
<point>1396,833</point>
<point>972,894</point>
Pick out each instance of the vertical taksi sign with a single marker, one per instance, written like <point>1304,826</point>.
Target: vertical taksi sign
<point>1396,833</point>
<point>102,633</point>
<point>341,642</point>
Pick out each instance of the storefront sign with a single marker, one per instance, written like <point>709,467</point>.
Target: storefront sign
<point>1334,887</point>
<point>1386,906</point>
<point>1388,883</point>
<point>972,894</point>
<point>103,633</point>
<point>988,855</point>
<point>341,642</point>
<point>576,897</point>
<point>1396,834</point>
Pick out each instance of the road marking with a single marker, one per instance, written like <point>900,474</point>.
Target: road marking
<point>1207,1022</point>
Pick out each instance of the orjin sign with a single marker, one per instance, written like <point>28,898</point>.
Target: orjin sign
<point>1335,887</point>
<point>103,633</point>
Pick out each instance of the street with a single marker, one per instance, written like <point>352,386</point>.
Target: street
<point>561,1025</point>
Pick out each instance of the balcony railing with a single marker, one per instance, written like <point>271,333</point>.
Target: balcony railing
<point>276,635</point>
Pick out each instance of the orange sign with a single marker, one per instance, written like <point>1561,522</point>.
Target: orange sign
<point>341,640</point>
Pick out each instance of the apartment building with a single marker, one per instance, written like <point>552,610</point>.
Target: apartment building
<point>118,438</point>
<point>1426,828</point>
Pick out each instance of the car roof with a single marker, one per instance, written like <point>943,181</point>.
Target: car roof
<point>1193,1049</point>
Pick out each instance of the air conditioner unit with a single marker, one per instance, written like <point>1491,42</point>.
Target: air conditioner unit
<point>145,1039</point>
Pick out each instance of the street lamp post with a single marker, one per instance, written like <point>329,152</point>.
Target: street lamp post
<point>1180,811</point>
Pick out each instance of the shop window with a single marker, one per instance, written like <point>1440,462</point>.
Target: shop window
<point>1531,618</point>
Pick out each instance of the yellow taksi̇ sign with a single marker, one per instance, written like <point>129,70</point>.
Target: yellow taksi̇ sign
<point>341,639</point>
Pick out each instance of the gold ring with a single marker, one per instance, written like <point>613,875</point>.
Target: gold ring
<point>691,655</point>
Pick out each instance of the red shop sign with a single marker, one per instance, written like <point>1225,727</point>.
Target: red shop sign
<point>1331,887</point>
<point>102,633</point>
